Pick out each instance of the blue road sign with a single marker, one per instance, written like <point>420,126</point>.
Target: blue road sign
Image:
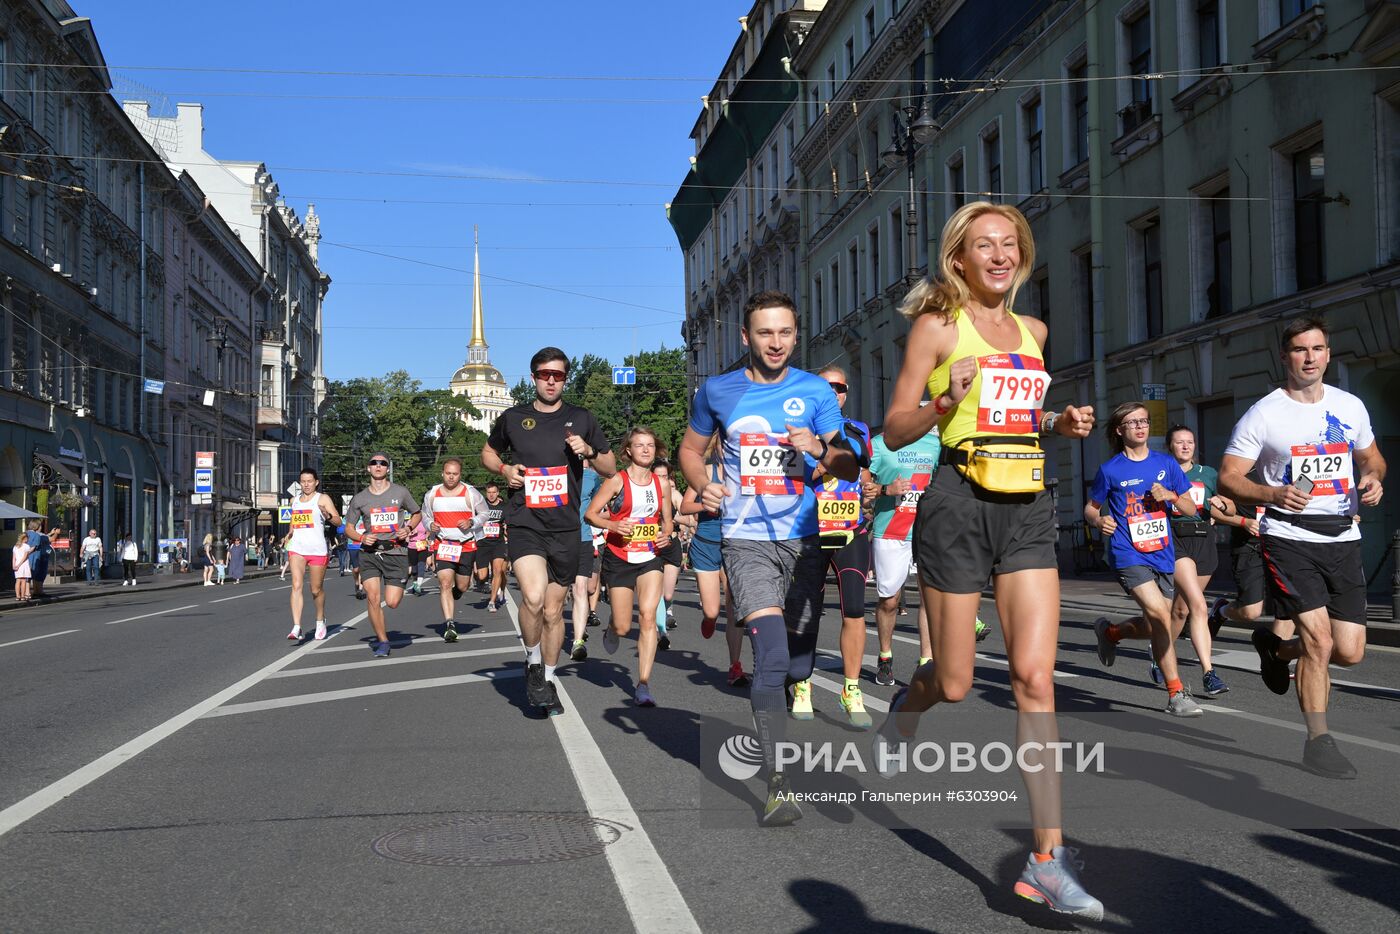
<point>624,376</point>
<point>284,515</point>
<point>155,386</point>
<point>204,480</point>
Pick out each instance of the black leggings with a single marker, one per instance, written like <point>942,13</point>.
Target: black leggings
<point>128,570</point>
<point>852,563</point>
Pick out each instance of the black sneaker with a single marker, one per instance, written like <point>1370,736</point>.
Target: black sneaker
<point>663,643</point>
<point>884,670</point>
<point>1272,669</point>
<point>449,631</point>
<point>593,620</point>
<point>780,810</point>
<point>671,619</point>
<point>551,705</point>
<point>580,651</point>
<point>360,593</point>
<point>1216,619</point>
<point>1322,757</point>
<point>1108,649</point>
<point>535,694</point>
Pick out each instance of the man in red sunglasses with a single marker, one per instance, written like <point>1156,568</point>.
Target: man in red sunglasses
<point>550,440</point>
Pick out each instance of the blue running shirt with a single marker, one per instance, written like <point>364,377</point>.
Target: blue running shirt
<point>1143,535</point>
<point>768,493</point>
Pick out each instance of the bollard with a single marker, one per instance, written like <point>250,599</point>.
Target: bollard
<point>1395,578</point>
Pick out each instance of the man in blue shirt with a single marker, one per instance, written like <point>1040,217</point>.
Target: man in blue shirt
<point>1138,487</point>
<point>769,416</point>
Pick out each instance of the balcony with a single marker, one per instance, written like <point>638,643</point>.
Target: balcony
<point>271,416</point>
<point>272,333</point>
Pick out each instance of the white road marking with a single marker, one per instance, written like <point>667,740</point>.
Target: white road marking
<point>131,619</point>
<point>836,687</point>
<point>237,596</point>
<point>428,641</point>
<point>396,687</point>
<point>46,797</point>
<point>47,635</point>
<point>653,900</point>
<point>1300,728</point>
<point>381,662</point>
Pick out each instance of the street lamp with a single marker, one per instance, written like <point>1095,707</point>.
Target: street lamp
<point>913,127</point>
<point>219,338</point>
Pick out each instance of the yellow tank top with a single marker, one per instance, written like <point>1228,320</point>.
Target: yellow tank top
<point>1010,402</point>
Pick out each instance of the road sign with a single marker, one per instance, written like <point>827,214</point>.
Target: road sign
<point>624,376</point>
<point>204,480</point>
<point>201,499</point>
<point>204,458</point>
<point>1154,399</point>
<point>155,386</point>
<point>284,515</point>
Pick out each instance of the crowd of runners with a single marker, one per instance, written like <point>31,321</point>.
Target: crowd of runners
<point>782,490</point>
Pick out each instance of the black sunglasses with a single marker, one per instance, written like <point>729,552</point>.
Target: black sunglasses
<point>839,387</point>
<point>378,463</point>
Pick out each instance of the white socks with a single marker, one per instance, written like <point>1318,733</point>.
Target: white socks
<point>532,654</point>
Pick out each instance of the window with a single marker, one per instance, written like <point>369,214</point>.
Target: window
<point>31,97</point>
<point>759,188</point>
<point>917,74</point>
<point>269,387</point>
<point>789,145</point>
<point>1040,306</point>
<point>1033,127</point>
<point>1147,241</point>
<point>869,27</point>
<point>831,81</point>
<point>1138,36</point>
<point>1084,303</point>
<point>872,258</point>
<point>850,56</point>
<point>1308,199</point>
<point>817,304</point>
<point>1289,10</point>
<point>1079,113</point>
<point>773,171</point>
<point>875,409</point>
<point>1208,33</point>
<point>853,267</point>
<point>899,243</point>
<point>265,483</point>
<point>991,163</point>
<point>957,182</point>
<point>1388,179</point>
<point>833,310</point>
<point>1219,300</point>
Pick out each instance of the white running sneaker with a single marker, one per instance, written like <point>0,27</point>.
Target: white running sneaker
<point>206,584</point>
<point>295,634</point>
<point>320,629</point>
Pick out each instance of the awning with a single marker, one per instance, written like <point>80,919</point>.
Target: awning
<point>11,511</point>
<point>63,470</point>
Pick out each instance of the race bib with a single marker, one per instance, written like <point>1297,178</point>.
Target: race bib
<point>769,466</point>
<point>452,551</point>
<point>492,529</point>
<point>1328,465</point>
<point>302,519</point>
<point>837,512</point>
<point>383,521</point>
<point>1013,393</point>
<point>546,487</point>
<point>1197,495</point>
<point>643,537</point>
<point>1148,532</point>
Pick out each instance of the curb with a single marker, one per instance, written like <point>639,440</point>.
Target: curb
<point>92,593</point>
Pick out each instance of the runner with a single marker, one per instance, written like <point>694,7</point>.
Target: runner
<point>769,414</point>
<point>587,556</point>
<point>898,480</point>
<point>306,548</point>
<point>639,524</point>
<point>845,535</point>
<point>1311,443</point>
<point>490,554</point>
<point>672,557</point>
<point>380,517</point>
<point>1128,503</point>
<point>709,575</point>
<point>1247,566</point>
<point>550,439</point>
<point>352,548</point>
<point>418,554</point>
<point>454,513</point>
<point>1196,556</point>
<point>988,515</point>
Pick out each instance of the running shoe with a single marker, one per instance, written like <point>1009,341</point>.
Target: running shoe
<point>1211,685</point>
<point>853,702</point>
<point>1056,885</point>
<point>535,693</point>
<point>492,607</point>
<point>671,619</point>
<point>1182,704</point>
<point>707,627</point>
<point>320,629</point>
<point>884,670</point>
<point>1217,615</point>
<point>551,706</point>
<point>1154,674</point>
<point>802,700</point>
<point>360,593</point>
<point>663,642</point>
<point>737,678</point>
<point>780,810</point>
<point>643,696</point>
<point>1322,757</point>
<point>294,635</point>
<point>981,629</point>
<point>886,746</point>
<point>381,650</point>
<point>593,619</point>
<point>580,651</point>
<point>610,641</point>
<point>501,598</point>
<point>1272,669</point>
<point>449,631</point>
<point>1108,651</point>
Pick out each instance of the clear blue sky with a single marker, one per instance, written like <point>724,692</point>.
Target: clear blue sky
<point>608,238</point>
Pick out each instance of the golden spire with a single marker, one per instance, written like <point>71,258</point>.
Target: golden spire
<point>478,324</point>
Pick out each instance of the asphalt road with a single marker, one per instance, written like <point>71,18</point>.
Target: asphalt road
<point>169,762</point>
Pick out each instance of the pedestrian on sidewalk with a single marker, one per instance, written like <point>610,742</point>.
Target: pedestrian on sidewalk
<point>93,555</point>
<point>130,553</point>
<point>19,561</point>
<point>237,559</point>
<point>221,561</point>
<point>208,549</point>
<point>41,549</point>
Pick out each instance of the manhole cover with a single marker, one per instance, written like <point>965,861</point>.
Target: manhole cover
<point>500,840</point>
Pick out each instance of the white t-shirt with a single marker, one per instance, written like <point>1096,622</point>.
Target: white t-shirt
<point>92,546</point>
<point>1283,436</point>
<point>131,551</point>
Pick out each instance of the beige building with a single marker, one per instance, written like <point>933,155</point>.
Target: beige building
<point>478,380</point>
<point>1196,173</point>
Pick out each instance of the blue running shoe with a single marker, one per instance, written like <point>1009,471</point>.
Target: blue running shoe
<point>381,650</point>
<point>1155,673</point>
<point>1211,684</point>
<point>1055,884</point>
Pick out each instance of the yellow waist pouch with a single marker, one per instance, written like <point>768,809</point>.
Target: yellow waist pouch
<point>1000,465</point>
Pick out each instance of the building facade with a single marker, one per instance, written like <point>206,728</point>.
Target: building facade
<point>82,282</point>
<point>478,380</point>
<point>1195,175</point>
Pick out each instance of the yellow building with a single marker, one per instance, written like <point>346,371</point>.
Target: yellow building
<point>478,380</point>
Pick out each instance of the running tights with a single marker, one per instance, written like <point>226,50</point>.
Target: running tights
<point>767,695</point>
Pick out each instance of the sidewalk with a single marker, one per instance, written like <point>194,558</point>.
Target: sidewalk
<point>81,590</point>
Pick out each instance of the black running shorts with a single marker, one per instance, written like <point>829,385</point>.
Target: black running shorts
<point>1305,576</point>
<point>963,534</point>
<point>618,572</point>
<point>560,552</point>
<point>672,554</point>
<point>1200,548</point>
<point>586,559</point>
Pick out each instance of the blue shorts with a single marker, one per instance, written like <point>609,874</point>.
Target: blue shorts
<point>704,555</point>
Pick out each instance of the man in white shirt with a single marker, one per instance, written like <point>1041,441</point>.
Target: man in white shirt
<point>1315,452</point>
<point>93,554</point>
